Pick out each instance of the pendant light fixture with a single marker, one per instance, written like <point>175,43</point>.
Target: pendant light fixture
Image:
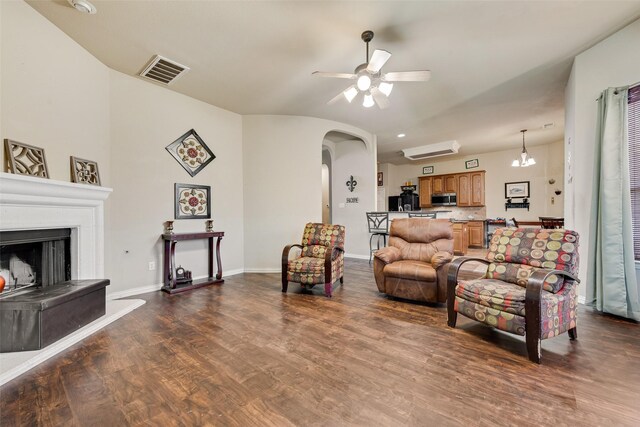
<point>525,159</point>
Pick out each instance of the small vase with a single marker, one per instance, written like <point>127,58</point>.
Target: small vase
<point>209,225</point>
<point>168,227</point>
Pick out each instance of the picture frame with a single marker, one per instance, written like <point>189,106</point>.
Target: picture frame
<point>191,152</point>
<point>470,164</point>
<point>25,159</point>
<point>380,179</point>
<point>192,201</point>
<point>516,190</point>
<point>84,171</point>
<point>427,170</point>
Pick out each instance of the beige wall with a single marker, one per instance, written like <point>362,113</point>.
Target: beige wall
<point>498,169</point>
<point>354,158</point>
<point>79,107</point>
<point>613,62</point>
<point>282,158</point>
<point>145,118</point>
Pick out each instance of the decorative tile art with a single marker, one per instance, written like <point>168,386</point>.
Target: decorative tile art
<point>84,171</point>
<point>191,152</point>
<point>192,201</point>
<point>25,159</point>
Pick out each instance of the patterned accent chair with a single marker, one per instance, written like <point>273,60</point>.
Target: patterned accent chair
<point>321,259</point>
<point>529,288</point>
<point>414,265</point>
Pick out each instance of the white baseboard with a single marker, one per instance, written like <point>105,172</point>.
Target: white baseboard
<point>263,270</point>
<point>16,363</point>
<point>153,288</point>
<point>356,256</point>
<point>134,291</point>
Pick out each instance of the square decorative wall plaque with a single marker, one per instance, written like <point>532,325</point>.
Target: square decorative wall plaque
<point>84,171</point>
<point>25,159</point>
<point>192,201</point>
<point>191,152</point>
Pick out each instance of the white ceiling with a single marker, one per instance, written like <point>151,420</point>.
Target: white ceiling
<point>497,67</point>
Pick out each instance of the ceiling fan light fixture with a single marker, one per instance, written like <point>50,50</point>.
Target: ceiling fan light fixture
<point>368,101</point>
<point>364,82</point>
<point>350,93</point>
<point>515,163</point>
<point>83,6</point>
<point>385,88</point>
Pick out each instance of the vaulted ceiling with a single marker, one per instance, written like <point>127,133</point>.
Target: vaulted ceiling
<point>497,67</point>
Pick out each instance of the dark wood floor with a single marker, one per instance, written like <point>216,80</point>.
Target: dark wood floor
<point>245,354</point>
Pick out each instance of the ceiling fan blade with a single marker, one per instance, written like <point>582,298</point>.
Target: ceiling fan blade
<point>378,59</point>
<point>407,76</point>
<point>348,94</point>
<point>380,98</point>
<point>335,75</point>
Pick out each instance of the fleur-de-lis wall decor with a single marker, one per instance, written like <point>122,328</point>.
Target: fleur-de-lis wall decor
<point>351,184</point>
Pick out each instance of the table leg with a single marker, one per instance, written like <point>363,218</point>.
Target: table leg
<point>173,265</point>
<point>167,264</point>
<point>219,274</point>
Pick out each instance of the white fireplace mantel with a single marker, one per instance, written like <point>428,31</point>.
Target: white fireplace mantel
<point>30,203</point>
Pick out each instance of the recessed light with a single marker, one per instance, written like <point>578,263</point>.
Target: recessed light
<point>83,6</point>
<point>401,135</point>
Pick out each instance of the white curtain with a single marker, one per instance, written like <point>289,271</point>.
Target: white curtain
<point>611,275</point>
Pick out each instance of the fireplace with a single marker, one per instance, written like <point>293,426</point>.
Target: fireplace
<point>37,258</point>
<point>52,259</point>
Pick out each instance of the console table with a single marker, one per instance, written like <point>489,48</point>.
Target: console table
<point>169,275</point>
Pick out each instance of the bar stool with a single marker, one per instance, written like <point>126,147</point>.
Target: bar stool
<point>378,223</point>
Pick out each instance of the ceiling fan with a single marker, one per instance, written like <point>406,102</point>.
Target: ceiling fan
<point>375,85</point>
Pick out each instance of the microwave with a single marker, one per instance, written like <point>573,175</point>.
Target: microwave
<point>444,199</point>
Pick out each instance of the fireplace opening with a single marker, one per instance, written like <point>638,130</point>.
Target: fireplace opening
<point>34,258</point>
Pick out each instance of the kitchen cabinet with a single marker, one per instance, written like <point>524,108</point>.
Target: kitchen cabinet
<point>477,188</point>
<point>460,238</point>
<point>426,189</point>
<point>476,234</point>
<point>469,186</point>
<point>464,187</point>
<point>438,184</point>
<point>451,183</point>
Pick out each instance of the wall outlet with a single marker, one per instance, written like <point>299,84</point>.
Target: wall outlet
<point>152,265</point>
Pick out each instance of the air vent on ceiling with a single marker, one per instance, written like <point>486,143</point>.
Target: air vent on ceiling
<point>163,70</point>
<point>433,150</point>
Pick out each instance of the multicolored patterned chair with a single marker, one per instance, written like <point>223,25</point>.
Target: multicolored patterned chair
<point>529,288</point>
<point>321,259</point>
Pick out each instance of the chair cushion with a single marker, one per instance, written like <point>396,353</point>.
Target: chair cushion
<point>410,269</point>
<point>502,305</point>
<point>310,270</point>
<point>497,294</point>
<point>516,253</point>
<point>317,237</point>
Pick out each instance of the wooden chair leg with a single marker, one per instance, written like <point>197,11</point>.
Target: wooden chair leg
<point>285,285</point>
<point>327,289</point>
<point>341,279</point>
<point>533,347</point>
<point>573,333</point>
<point>452,314</point>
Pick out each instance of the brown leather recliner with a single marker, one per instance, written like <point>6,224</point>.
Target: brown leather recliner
<point>414,265</point>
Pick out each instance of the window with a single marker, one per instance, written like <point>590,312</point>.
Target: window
<point>634,164</point>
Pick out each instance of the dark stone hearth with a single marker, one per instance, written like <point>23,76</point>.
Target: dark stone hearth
<point>37,317</point>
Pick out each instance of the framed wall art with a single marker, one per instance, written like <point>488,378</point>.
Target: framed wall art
<point>427,170</point>
<point>192,201</point>
<point>84,171</point>
<point>516,190</point>
<point>470,164</point>
<point>191,152</point>
<point>25,159</point>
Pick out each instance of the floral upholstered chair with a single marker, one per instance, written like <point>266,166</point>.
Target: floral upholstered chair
<point>529,288</point>
<point>321,258</point>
